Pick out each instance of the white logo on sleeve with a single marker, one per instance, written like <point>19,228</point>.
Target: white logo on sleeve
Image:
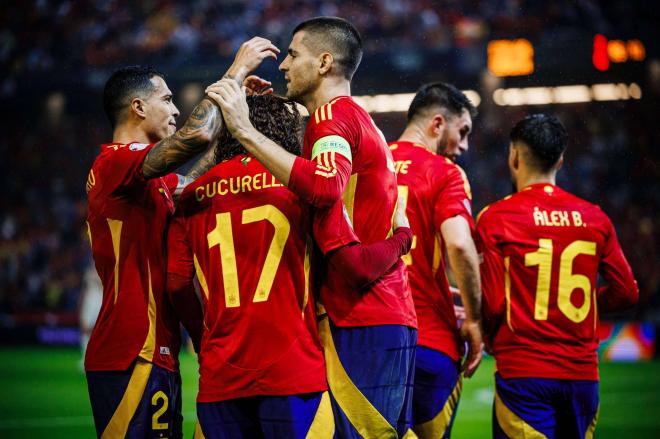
<point>164,350</point>
<point>137,146</point>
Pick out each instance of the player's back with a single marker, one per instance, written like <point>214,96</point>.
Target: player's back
<point>251,245</point>
<point>369,198</point>
<point>127,218</point>
<point>435,189</point>
<point>552,244</point>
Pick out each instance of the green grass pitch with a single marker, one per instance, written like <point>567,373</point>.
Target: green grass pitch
<point>43,394</point>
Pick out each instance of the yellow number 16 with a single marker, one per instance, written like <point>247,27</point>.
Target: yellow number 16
<point>568,281</point>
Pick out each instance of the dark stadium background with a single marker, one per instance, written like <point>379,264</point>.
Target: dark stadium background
<point>56,55</point>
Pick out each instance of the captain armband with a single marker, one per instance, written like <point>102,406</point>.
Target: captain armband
<point>330,144</point>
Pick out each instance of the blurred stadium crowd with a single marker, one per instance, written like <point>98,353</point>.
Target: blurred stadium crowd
<point>50,142</point>
<point>43,35</point>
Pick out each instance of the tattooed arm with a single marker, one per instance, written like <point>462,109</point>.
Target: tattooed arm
<point>201,128</point>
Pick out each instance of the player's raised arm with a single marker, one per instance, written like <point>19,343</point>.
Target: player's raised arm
<point>202,126</point>
<point>205,121</point>
<point>319,186</point>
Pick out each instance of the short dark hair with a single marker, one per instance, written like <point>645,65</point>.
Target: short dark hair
<point>340,36</point>
<point>443,95</point>
<point>544,136</point>
<point>123,85</point>
<point>275,117</point>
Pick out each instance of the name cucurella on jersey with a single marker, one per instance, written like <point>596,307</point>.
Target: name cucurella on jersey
<point>235,185</point>
<point>557,218</point>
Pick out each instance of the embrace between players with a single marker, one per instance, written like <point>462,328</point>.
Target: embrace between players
<point>316,308</point>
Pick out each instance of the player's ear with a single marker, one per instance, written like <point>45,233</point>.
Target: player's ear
<point>438,122</point>
<point>560,162</point>
<point>514,156</point>
<point>138,107</point>
<point>326,63</point>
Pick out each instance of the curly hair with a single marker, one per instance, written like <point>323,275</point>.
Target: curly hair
<point>275,117</point>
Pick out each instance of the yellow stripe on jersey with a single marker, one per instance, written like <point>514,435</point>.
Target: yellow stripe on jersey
<point>316,115</point>
<point>323,425</point>
<point>437,253</point>
<point>436,427</point>
<point>147,351</point>
<point>512,425</point>
<point>349,196</point>
<point>507,291</point>
<point>200,277</point>
<point>364,417</point>
<point>322,109</point>
<point>332,143</point>
<point>118,425</point>
<point>115,233</point>
<point>307,267</point>
<point>329,110</point>
<point>89,234</point>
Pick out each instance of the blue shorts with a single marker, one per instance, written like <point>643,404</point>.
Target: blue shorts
<point>438,384</point>
<point>527,407</point>
<point>370,374</point>
<point>141,402</point>
<point>295,416</point>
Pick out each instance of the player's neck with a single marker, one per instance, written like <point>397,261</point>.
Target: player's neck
<point>535,178</point>
<point>126,133</point>
<point>415,134</point>
<point>328,90</point>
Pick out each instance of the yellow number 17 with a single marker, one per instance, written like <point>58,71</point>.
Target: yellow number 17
<point>568,281</point>
<point>222,236</point>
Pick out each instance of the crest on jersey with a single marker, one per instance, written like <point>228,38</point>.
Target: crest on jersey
<point>137,146</point>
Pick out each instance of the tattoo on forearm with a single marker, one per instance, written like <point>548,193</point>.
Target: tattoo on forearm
<point>202,126</point>
<point>205,162</point>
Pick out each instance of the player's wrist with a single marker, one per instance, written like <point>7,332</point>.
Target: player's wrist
<point>236,72</point>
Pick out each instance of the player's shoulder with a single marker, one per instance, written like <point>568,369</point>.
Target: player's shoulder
<point>339,108</point>
<point>491,211</point>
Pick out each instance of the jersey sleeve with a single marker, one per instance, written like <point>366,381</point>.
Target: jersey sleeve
<point>122,167</point>
<point>621,290</point>
<point>492,268</point>
<point>453,198</point>
<point>179,251</point>
<point>332,228</point>
<point>321,177</point>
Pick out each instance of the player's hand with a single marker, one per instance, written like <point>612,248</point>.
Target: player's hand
<point>471,333</point>
<point>231,99</point>
<point>249,56</point>
<point>255,85</point>
<point>400,219</point>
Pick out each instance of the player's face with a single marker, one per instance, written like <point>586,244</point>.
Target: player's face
<point>300,68</point>
<point>160,111</point>
<point>454,139</point>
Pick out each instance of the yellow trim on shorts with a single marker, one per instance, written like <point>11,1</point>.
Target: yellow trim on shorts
<point>364,417</point>
<point>512,425</point>
<point>323,425</point>
<point>118,425</point>
<point>437,426</point>
<point>589,434</point>
<point>199,434</point>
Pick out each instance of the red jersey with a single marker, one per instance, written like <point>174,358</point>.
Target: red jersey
<point>542,250</point>
<point>246,237</point>
<point>436,189</point>
<point>127,219</point>
<point>369,199</point>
